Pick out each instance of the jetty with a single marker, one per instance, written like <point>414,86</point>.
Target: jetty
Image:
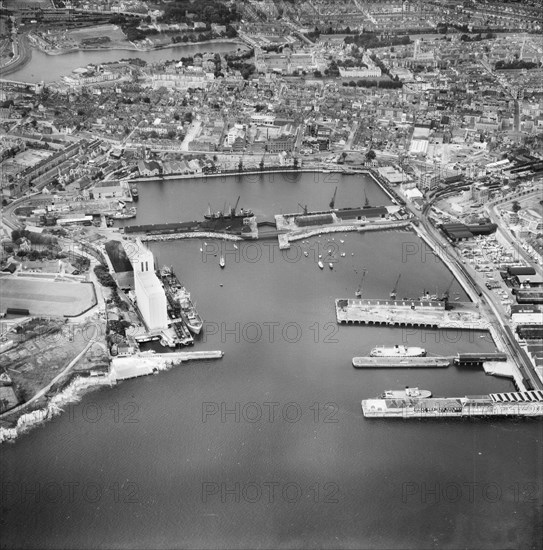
<point>143,364</point>
<point>409,313</point>
<point>402,362</point>
<point>512,404</point>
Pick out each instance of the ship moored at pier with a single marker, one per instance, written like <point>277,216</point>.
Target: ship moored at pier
<point>526,403</point>
<point>397,351</point>
<point>401,362</point>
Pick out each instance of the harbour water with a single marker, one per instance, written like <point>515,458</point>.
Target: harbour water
<point>47,68</point>
<point>268,447</point>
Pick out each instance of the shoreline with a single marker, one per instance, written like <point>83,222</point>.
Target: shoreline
<point>23,60</point>
<point>352,172</point>
<point>136,49</point>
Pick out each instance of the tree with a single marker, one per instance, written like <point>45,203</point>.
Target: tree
<point>370,155</point>
<point>262,163</point>
<point>240,165</point>
<point>516,206</point>
<point>317,74</point>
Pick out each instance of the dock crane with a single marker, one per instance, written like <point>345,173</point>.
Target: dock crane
<point>233,210</point>
<point>358,292</point>
<point>333,201</point>
<point>394,291</point>
<point>366,201</point>
<point>304,208</point>
<point>445,296</point>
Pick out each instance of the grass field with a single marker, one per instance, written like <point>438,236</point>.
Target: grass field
<point>45,297</point>
<point>113,32</point>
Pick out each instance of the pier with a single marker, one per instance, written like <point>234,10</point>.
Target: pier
<point>143,364</point>
<point>409,313</point>
<point>522,403</point>
<point>401,362</point>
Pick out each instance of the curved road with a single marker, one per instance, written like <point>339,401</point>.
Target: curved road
<point>487,302</point>
<point>24,55</point>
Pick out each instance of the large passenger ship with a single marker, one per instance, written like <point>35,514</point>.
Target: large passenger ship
<point>397,351</point>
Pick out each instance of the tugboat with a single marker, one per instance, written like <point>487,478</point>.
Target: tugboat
<point>125,214</point>
<point>320,264</point>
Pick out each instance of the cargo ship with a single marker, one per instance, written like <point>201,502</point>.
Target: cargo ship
<point>180,305</point>
<point>233,214</point>
<point>527,403</point>
<point>188,312</point>
<point>397,351</point>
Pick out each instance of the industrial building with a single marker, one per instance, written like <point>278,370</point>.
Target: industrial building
<point>150,295</point>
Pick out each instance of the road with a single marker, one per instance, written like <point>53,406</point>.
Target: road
<point>490,209</point>
<point>23,53</point>
<point>487,300</point>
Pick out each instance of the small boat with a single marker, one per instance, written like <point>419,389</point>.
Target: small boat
<point>306,254</point>
<point>222,263</point>
<point>352,253</point>
<point>320,255</point>
<point>329,252</point>
<point>205,244</point>
<point>342,254</point>
<point>341,241</point>
<point>358,294</point>
<point>331,265</point>
<point>220,284</point>
<point>236,246</point>
<point>320,264</point>
<point>201,249</point>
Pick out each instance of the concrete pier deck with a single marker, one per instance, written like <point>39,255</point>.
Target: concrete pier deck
<point>401,362</point>
<point>507,370</point>
<point>409,313</point>
<point>143,364</point>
